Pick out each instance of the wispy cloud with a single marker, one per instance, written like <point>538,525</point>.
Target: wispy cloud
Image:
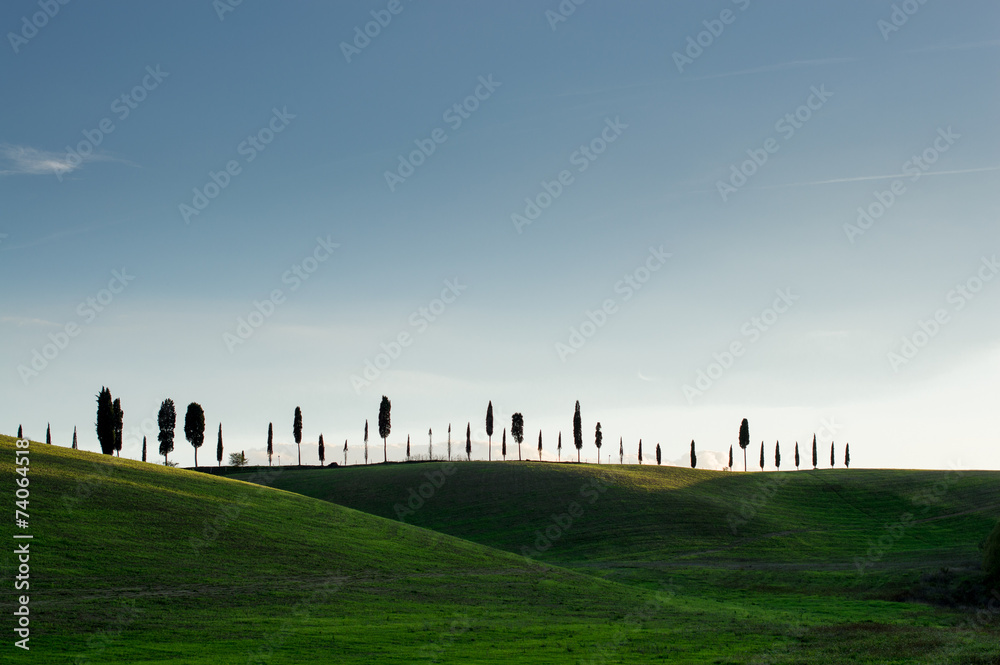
<point>878,177</point>
<point>955,47</point>
<point>23,160</point>
<point>792,64</point>
<point>25,321</point>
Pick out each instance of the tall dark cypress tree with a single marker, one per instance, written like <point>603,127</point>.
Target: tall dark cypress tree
<point>503,447</point>
<point>449,441</point>
<point>468,442</point>
<point>385,425</point>
<point>297,431</point>
<point>366,441</point>
<point>777,455</point>
<point>640,451</point>
<point>598,438</point>
<point>745,440</point>
<point>539,445</point>
<point>119,425</point>
<point>194,428</point>
<point>730,458</point>
<point>621,450</point>
<point>218,447</point>
<point>345,452</point>
<point>408,447</point>
<point>322,450</point>
<point>74,438</point>
<point>847,456</point>
<point>105,422</point>
<point>517,431</point>
<point>48,433</point>
<point>430,444</point>
<point>694,457</point>
<point>815,453</point>
<point>577,431</point>
<point>270,442</point>
<point>167,420</point>
<point>796,455</point>
<point>761,455</point>
<point>143,449</point>
<point>20,430</point>
<point>657,454</point>
<point>559,448</point>
<point>833,458</point>
<point>489,429</point>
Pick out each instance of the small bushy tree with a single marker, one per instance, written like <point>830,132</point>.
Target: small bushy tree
<point>517,431</point>
<point>194,428</point>
<point>238,459</point>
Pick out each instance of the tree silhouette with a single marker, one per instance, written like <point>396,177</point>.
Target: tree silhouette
<point>796,455</point>
<point>270,443</point>
<point>468,442</point>
<point>322,450</point>
<point>517,431</point>
<point>194,428</point>
<point>297,431</point>
<point>777,455</point>
<point>489,429</point>
<point>449,441</point>
<point>833,458</point>
<point>657,454</point>
<point>598,438</point>
<point>384,425</point>
<point>730,458</point>
<point>430,445</point>
<point>74,438</point>
<point>577,431</point>
<point>143,449</point>
<point>167,420</point>
<point>815,454</point>
<point>559,448</point>
<point>503,448</point>
<point>366,441</point>
<point>218,447</point>
<point>745,440</point>
<point>694,457</point>
<point>119,425</point>
<point>761,455</point>
<point>539,445</point>
<point>407,447</point>
<point>640,451</point>
<point>345,452</point>
<point>621,450</point>
<point>48,433</point>
<point>20,431</point>
<point>847,453</point>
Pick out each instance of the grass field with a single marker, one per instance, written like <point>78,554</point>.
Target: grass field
<point>138,563</point>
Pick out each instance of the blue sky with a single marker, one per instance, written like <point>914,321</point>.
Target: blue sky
<point>838,103</point>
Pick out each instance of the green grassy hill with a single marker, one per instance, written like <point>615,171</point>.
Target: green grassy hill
<point>138,563</point>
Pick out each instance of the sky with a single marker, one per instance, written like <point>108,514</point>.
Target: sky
<point>680,214</point>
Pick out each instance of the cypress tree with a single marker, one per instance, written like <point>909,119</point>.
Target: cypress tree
<point>167,420</point>
<point>430,445</point>
<point>366,441</point>
<point>489,430</point>
<point>777,455</point>
<point>761,455</point>
<point>694,458</point>
<point>815,453</point>
<point>503,448</point>
<point>48,433</point>
<point>640,451</point>
<point>385,425</point>
<point>105,422</point>
<point>745,440</point>
<point>20,430</point>
<point>407,447</point>
<point>449,441</point>
<point>270,443</point>
<point>194,428</point>
<point>621,450</point>
<point>345,452</point>
<point>143,449</point>
<point>598,438</point>
<point>657,454</point>
<point>218,447</point>
<point>74,438</point>
<point>322,450</point>
<point>796,455</point>
<point>847,455</point>
<point>468,442</point>
<point>297,431</point>
<point>833,459</point>
<point>517,431</point>
<point>577,431</point>
<point>730,458</point>
<point>119,425</point>
<point>559,448</point>
<point>539,445</point>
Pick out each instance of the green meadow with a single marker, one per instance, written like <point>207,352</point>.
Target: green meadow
<point>502,562</point>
